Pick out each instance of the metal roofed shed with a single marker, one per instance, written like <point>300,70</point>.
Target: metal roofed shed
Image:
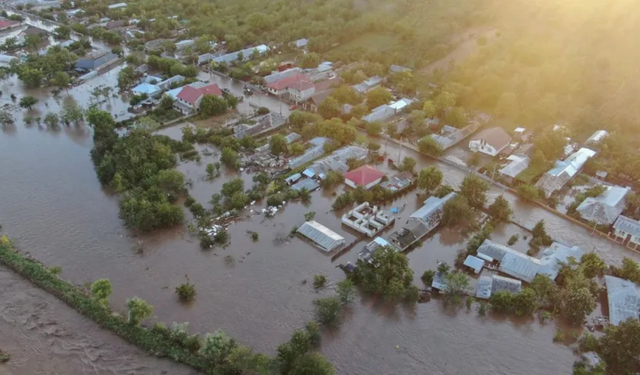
<point>378,242</point>
<point>564,171</point>
<point>474,263</point>
<point>307,183</point>
<point>597,137</point>
<point>624,299</point>
<point>398,182</point>
<point>490,283</point>
<point>146,88</point>
<point>518,163</point>
<point>555,256</point>
<point>326,239</point>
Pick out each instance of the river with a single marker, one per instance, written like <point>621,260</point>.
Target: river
<point>53,205</point>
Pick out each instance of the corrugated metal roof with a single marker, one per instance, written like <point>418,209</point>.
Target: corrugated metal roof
<point>307,183</point>
<point>431,205</point>
<point>484,286</point>
<point>605,208</point>
<point>565,170</point>
<point>624,299</point>
<point>518,164</point>
<point>501,283</point>
<point>512,262</point>
<point>146,88</point>
<point>555,256</point>
<point>310,154</point>
<point>324,237</point>
<point>337,161</point>
<point>598,136</point>
<point>474,263</point>
<point>627,225</point>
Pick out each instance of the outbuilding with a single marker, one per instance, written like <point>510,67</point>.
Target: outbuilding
<point>323,237</point>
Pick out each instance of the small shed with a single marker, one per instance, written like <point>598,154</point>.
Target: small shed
<point>474,263</point>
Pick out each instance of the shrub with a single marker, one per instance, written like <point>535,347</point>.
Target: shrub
<point>139,310</point>
<point>327,310</point>
<point>319,281</point>
<point>559,336</point>
<point>186,292</point>
<point>427,277</point>
<point>254,236</point>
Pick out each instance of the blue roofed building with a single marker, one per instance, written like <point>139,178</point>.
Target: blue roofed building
<point>146,88</point>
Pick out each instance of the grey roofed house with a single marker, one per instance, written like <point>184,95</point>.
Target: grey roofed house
<point>274,77</point>
<point>398,69</point>
<point>624,299</point>
<point>95,60</point>
<point>311,153</point>
<point>368,84</point>
<point>431,208</point>
<point>439,281</point>
<point>555,256</point>
<point>517,164</point>
<point>141,69</point>
<point>380,113</point>
<point>307,183</point>
<point>262,124</point>
<point>154,44</point>
<point>398,182</point>
<point>326,239</point>
<point>597,137</point>
<point>564,171</point>
<point>246,54</point>
<point>337,161</point>
<point>512,262</point>
<point>606,207</point>
<point>627,225</point>
<point>489,283</point>
<point>496,137</point>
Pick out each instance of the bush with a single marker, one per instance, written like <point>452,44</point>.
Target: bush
<point>186,292</point>
<point>559,336</point>
<point>427,277</point>
<point>262,111</point>
<point>327,310</point>
<point>319,281</point>
<point>254,236</point>
<point>513,239</point>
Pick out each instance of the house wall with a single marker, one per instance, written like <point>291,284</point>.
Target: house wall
<point>635,240</point>
<point>196,105</point>
<point>374,183</point>
<point>350,183</point>
<point>299,96</point>
<point>478,145</point>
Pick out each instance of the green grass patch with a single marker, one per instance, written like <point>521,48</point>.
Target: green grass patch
<point>154,342</point>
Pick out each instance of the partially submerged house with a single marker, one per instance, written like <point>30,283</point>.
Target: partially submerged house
<point>366,253</point>
<point>365,176</point>
<point>189,97</point>
<point>367,219</point>
<point>386,111</point>
<point>8,24</point>
<point>324,238</point>
<point>147,89</point>
<point>474,263</point>
<point>421,222</point>
<point>606,207</point>
<point>597,137</point>
<point>398,182</point>
<point>262,124</point>
<point>336,162</point>
<point>299,81</point>
<point>564,171</point>
<point>623,298</point>
<point>96,60</point>
<point>490,141</point>
<point>232,58</point>
<point>491,283</point>
<point>315,151</point>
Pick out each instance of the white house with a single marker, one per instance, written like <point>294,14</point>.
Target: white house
<point>490,141</point>
<point>626,227</point>
<point>301,91</point>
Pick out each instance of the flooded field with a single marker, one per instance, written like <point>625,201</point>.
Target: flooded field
<point>53,205</point>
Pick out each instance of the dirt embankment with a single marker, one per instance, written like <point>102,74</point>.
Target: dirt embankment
<point>44,336</point>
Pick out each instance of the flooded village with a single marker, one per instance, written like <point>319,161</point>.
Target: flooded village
<point>297,196</point>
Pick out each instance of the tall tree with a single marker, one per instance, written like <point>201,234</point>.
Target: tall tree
<point>474,189</point>
<point>378,97</point>
<point>429,178</point>
<point>500,210</point>
<point>28,102</point>
<point>278,144</point>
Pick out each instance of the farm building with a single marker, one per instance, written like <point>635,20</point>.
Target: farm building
<point>323,237</point>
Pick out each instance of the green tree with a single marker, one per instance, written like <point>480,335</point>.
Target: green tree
<point>212,105</point>
<point>61,80</point>
<point>500,210</point>
<point>456,117</point>
<point>278,144</point>
<point>457,284</point>
<point>239,200</point>
<point>346,291</point>
<point>139,310</point>
<point>501,301</point>
<point>528,191</point>
<point>329,108</point>
<point>456,211</point>
<point>166,103</point>
<point>374,128</point>
<point>310,60</point>
<point>429,178</point>
<point>312,364</point>
<point>327,310</point>
<point>217,346</point>
<point>31,77</point>
<point>387,274</point>
<point>101,290</point>
<point>620,346</point>
<point>186,292</point>
<point>408,164</point>
<point>378,97</point>
<point>429,109</point>
<point>540,236</point>
<point>474,189</point>
<point>229,158</point>
<point>231,187</point>
<point>28,102</point>
<point>546,291</point>
<point>345,94</point>
<point>126,77</point>
<point>62,32</point>
<point>592,265</point>
<point>72,112</point>
<point>525,303</point>
<point>297,149</point>
<point>429,146</point>
<point>392,130</point>
<point>51,120</point>
<point>551,143</point>
<point>578,302</point>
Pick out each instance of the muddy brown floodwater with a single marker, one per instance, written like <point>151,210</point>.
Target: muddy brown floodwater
<point>53,205</point>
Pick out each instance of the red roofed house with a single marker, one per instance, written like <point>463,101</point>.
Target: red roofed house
<point>189,98</point>
<point>281,87</point>
<point>7,24</point>
<point>365,176</point>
